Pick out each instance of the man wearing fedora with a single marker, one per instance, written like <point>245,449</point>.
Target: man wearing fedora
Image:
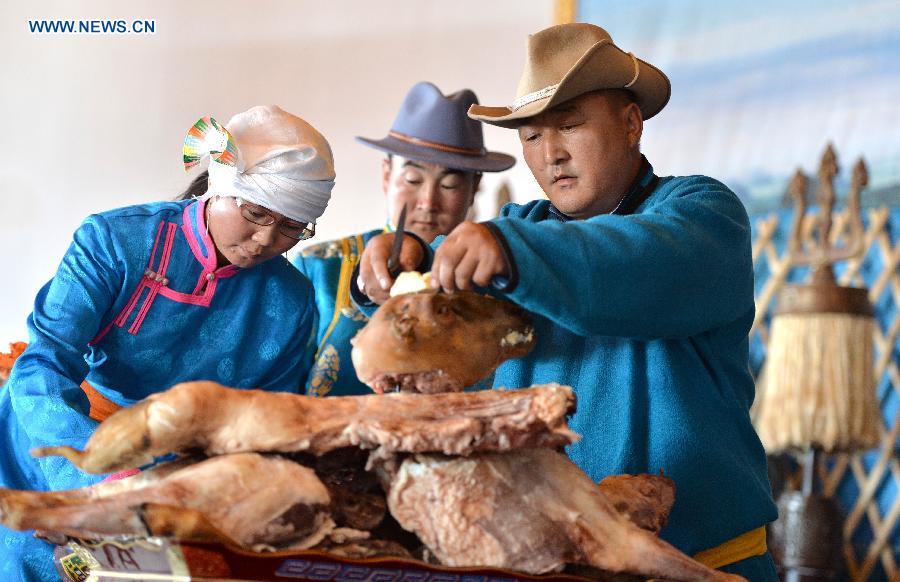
<point>641,288</point>
<point>435,157</point>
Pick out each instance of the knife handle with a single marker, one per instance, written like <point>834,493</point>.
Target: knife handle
<point>393,268</point>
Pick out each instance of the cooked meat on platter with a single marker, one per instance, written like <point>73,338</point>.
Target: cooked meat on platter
<point>273,503</point>
<point>437,342</point>
<point>215,420</point>
<point>476,477</point>
<point>532,510</point>
<point>245,499</point>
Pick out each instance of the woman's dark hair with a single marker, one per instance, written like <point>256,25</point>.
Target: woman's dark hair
<point>197,187</point>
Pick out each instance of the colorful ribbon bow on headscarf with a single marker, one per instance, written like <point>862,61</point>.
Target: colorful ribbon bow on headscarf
<point>268,157</point>
<point>208,137</point>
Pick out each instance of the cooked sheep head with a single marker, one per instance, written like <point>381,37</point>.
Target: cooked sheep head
<point>437,342</point>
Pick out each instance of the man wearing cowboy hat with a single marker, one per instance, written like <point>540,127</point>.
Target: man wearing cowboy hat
<point>641,288</point>
<point>435,157</point>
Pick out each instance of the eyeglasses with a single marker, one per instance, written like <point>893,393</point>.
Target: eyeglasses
<point>261,216</point>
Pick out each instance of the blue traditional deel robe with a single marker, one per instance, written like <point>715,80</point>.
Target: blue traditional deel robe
<point>646,315</point>
<point>329,266</point>
<point>137,305</point>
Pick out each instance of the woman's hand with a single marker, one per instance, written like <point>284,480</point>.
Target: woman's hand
<point>374,279</point>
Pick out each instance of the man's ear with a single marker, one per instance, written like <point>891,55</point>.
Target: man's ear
<point>386,167</point>
<point>634,124</point>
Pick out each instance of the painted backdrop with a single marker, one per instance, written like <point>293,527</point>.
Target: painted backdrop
<point>759,88</point>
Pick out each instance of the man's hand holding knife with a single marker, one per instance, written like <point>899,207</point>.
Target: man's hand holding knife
<point>470,256</point>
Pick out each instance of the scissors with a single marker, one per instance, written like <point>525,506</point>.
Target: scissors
<point>393,263</point>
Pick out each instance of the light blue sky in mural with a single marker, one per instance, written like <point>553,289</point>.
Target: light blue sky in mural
<point>760,87</point>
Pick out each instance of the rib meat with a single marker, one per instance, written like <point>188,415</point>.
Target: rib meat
<point>208,417</point>
<point>246,499</point>
<point>436,342</point>
<point>530,510</point>
<point>357,498</point>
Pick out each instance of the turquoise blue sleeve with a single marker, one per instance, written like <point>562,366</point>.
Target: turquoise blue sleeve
<point>45,381</point>
<point>677,268</point>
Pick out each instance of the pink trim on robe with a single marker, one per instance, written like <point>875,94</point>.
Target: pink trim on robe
<point>121,475</point>
<point>155,284</point>
<point>208,280</point>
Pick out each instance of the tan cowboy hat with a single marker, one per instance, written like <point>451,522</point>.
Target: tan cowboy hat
<point>568,60</point>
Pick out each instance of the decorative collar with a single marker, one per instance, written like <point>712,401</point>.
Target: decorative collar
<point>194,227</point>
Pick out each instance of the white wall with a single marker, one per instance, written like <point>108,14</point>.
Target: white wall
<point>92,122</point>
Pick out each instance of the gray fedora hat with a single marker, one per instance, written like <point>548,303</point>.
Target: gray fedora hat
<point>433,127</point>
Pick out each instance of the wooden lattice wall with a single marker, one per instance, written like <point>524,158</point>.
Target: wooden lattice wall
<point>866,484</point>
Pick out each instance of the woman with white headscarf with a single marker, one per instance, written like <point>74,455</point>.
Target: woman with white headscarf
<point>151,295</point>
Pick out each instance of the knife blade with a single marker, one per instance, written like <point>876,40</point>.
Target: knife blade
<point>393,263</point>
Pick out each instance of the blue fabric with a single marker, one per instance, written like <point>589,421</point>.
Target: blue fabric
<point>23,558</point>
<point>333,373</point>
<point>255,333</point>
<point>756,569</point>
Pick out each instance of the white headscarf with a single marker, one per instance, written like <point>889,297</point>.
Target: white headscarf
<point>283,164</point>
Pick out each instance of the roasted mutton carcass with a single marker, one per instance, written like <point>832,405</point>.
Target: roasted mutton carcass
<point>476,476</point>
<point>437,342</point>
<point>529,509</point>
<point>284,504</point>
